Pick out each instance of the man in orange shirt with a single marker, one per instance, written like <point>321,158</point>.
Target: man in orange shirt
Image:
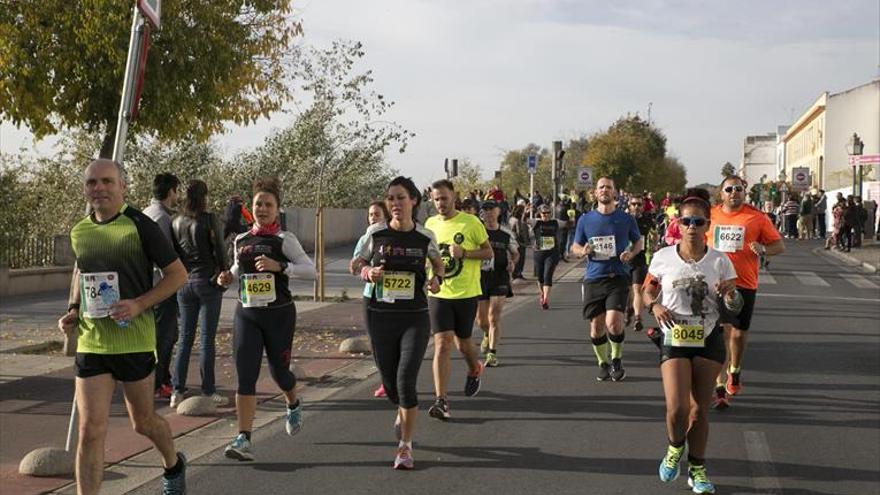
<point>744,233</point>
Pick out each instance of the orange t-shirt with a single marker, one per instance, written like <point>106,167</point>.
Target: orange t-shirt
<point>733,232</point>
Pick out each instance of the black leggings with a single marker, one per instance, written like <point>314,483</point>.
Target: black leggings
<point>545,265</point>
<point>255,329</point>
<point>399,341</point>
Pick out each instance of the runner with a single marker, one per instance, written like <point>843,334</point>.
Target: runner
<point>377,213</point>
<point>745,234</point>
<point>602,235</point>
<point>113,295</point>
<point>495,281</point>
<point>266,257</point>
<point>392,260</point>
<point>463,242</point>
<point>546,231</point>
<point>691,277</point>
<point>639,263</point>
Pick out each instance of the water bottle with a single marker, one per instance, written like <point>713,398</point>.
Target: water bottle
<point>734,302</point>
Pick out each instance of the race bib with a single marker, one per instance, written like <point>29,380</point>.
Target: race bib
<point>729,238</point>
<point>547,242</point>
<point>257,289</point>
<point>98,291</point>
<point>398,285</point>
<point>686,334</point>
<point>604,247</point>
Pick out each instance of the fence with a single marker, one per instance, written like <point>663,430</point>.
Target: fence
<point>28,253</point>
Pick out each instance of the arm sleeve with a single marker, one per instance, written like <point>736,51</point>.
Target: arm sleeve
<point>300,266</point>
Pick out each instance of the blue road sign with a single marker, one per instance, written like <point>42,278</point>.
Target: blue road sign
<point>532,163</point>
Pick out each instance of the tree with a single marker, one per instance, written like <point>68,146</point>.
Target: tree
<point>728,170</point>
<point>633,152</point>
<point>469,178</point>
<point>213,62</point>
<point>515,172</point>
<point>342,134</point>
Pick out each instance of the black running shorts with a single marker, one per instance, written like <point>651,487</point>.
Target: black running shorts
<point>714,349</point>
<point>495,284</point>
<point>453,315</point>
<point>129,367</point>
<point>605,294</point>
<point>743,320</point>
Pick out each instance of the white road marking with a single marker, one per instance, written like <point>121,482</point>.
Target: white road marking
<point>810,278</point>
<point>859,281</point>
<point>819,297</point>
<point>761,464</point>
<point>764,278</point>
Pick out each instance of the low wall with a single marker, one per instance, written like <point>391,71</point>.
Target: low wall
<point>341,227</point>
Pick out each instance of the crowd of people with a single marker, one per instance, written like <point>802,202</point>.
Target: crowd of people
<point>806,216</point>
<point>160,275</point>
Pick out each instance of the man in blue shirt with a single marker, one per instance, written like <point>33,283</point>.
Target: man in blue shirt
<point>610,238</point>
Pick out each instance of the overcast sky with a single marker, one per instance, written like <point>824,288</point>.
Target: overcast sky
<point>474,78</point>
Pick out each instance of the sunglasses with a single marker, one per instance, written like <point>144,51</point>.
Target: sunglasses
<point>730,189</point>
<point>635,204</point>
<point>695,221</point>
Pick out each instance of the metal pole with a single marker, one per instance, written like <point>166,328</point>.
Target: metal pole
<point>322,285</point>
<point>131,64</point>
<point>531,195</point>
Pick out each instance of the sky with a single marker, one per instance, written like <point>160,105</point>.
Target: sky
<point>476,78</point>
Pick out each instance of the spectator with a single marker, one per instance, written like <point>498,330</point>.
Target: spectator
<point>861,222</point>
<point>519,225</point>
<point>837,224</point>
<point>805,228</point>
<point>821,206</point>
<point>790,210</point>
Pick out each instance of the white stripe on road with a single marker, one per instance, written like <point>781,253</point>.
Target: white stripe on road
<point>810,278</point>
<point>860,281</point>
<point>820,297</point>
<point>761,464</point>
<point>765,278</point>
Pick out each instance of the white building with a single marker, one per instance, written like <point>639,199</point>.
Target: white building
<point>758,163</point>
<point>780,151</point>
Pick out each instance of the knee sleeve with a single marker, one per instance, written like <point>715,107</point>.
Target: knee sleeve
<point>617,339</point>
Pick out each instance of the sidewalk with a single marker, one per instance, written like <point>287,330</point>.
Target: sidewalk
<point>868,256</point>
<point>36,389</point>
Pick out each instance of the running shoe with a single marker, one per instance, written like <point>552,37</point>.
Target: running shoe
<point>541,300</point>
<point>164,391</point>
<point>491,360</point>
<point>484,344</point>
<point>733,385</point>
<point>219,400</point>
<point>604,372</point>
<point>404,458</point>
<point>617,371</point>
<point>176,399</point>
<point>472,382</point>
<point>294,422</point>
<point>637,325</point>
<point>698,480</point>
<point>720,401</point>
<point>545,305</point>
<point>440,409</point>
<point>380,392</point>
<point>669,463</point>
<point>176,485</point>
<point>240,449</point>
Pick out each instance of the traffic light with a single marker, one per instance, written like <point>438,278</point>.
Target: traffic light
<point>454,171</point>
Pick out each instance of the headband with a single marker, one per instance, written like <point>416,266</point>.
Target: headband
<point>695,198</point>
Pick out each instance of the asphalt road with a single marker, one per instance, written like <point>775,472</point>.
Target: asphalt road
<point>807,421</point>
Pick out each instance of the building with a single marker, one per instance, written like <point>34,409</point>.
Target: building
<point>758,162</point>
<point>780,151</point>
<point>819,138</point>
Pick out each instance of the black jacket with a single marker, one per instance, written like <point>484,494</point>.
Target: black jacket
<point>199,242</point>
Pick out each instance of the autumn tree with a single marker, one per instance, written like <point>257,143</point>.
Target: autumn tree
<point>63,62</point>
<point>727,170</point>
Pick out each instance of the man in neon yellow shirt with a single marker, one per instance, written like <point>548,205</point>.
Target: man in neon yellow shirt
<point>463,243</point>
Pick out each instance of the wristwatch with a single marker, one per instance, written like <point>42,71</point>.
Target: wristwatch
<point>283,266</point>
<point>651,306</point>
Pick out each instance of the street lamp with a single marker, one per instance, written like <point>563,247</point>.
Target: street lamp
<point>855,147</point>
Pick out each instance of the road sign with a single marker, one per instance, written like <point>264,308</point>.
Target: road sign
<point>151,9</point>
<point>862,160</point>
<point>585,176</point>
<point>800,178</point>
<point>532,164</point>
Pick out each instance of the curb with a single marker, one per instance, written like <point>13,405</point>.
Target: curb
<point>850,260</point>
<point>29,348</point>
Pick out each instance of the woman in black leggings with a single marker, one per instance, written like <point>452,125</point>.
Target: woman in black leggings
<point>392,258</point>
<point>546,233</point>
<point>266,257</point>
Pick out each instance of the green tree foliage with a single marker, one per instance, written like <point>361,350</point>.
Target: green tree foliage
<point>515,173</point>
<point>334,150</point>
<point>63,62</point>
<point>727,170</point>
<point>469,178</point>
<point>633,152</point>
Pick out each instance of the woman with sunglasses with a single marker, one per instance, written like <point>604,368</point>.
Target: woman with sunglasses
<point>685,286</point>
<point>546,230</point>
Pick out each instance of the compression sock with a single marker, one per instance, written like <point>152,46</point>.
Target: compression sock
<point>616,345</point>
<point>600,347</point>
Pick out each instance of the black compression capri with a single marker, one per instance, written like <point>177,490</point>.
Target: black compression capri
<point>545,265</point>
<point>399,341</point>
<point>255,329</point>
